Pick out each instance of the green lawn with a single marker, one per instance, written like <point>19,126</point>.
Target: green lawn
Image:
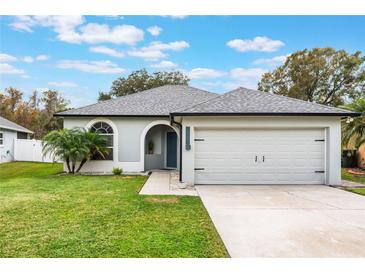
<point>354,178</point>
<point>360,191</point>
<point>47,215</point>
<point>350,177</point>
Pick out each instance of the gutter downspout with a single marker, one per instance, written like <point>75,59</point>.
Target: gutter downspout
<point>179,125</point>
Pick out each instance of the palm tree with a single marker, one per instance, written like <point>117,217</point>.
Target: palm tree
<point>73,146</point>
<point>353,129</point>
<point>94,144</point>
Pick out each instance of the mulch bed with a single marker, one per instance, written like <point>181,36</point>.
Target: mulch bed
<point>356,171</point>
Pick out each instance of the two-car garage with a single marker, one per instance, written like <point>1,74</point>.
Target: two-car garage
<point>252,137</point>
<point>259,156</point>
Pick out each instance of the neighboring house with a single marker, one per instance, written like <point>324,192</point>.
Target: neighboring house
<point>240,137</point>
<point>9,132</point>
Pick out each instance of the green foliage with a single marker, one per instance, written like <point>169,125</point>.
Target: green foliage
<point>53,216</point>
<point>321,75</point>
<point>104,96</point>
<point>35,114</point>
<point>117,171</point>
<point>74,146</point>
<point>150,147</point>
<point>353,129</point>
<point>141,80</point>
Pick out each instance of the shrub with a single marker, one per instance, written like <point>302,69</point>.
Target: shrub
<point>117,171</point>
<point>73,146</point>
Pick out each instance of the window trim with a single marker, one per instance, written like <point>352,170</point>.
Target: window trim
<point>2,138</point>
<point>115,136</point>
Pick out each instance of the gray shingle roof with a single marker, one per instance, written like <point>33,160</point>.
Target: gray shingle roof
<point>159,101</point>
<point>251,102</point>
<point>6,124</point>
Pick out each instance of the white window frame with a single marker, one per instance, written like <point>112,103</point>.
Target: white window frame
<point>115,136</point>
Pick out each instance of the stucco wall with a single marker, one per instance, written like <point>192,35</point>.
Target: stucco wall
<point>7,149</point>
<point>330,124</point>
<point>127,141</point>
<point>157,160</point>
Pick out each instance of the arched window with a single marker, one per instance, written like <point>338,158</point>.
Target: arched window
<point>105,130</point>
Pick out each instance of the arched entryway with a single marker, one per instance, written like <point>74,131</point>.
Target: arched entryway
<point>161,147</point>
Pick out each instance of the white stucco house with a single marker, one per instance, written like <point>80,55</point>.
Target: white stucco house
<point>239,137</point>
<point>9,132</point>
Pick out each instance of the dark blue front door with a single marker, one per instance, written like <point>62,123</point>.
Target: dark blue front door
<point>171,146</point>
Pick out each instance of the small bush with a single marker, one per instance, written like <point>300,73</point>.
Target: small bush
<point>117,171</point>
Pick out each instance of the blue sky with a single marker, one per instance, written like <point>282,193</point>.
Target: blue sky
<point>82,55</point>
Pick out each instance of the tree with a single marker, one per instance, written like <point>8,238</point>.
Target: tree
<point>95,144</point>
<point>104,96</point>
<point>321,75</point>
<point>10,101</point>
<point>353,129</point>
<point>35,114</point>
<point>53,102</point>
<point>74,146</point>
<point>141,80</point>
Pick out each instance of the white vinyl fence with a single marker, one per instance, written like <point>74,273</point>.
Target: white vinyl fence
<point>29,150</point>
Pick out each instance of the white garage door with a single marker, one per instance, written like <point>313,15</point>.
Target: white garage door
<point>252,156</point>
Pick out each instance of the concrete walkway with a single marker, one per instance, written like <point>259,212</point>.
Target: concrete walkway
<point>165,182</point>
<point>287,221</point>
<point>350,184</point>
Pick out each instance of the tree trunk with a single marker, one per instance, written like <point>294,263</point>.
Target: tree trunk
<point>81,164</point>
<point>73,167</point>
<point>68,165</point>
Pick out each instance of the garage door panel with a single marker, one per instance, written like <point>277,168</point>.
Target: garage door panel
<point>283,156</point>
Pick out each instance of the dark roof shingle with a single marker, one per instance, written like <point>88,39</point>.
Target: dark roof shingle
<point>160,101</point>
<point>186,100</point>
<point>252,102</point>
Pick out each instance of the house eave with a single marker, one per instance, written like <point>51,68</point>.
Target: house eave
<point>17,130</point>
<point>109,115</point>
<point>351,114</point>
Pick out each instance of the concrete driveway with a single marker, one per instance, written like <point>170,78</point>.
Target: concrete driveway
<point>287,221</point>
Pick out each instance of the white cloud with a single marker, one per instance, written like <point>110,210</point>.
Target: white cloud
<point>164,65</point>
<point>259,43</point>
<point>102,67</point>
<point>199,73</point>
<point>147,54</point>
<point>72,29</point>
<point>100,33</point>
<point>154,30</point>
<point>9,69</point>
<point>63,84</point>
<point>175,16</point>
<point>7,58</point>
<point>23,23</point>
<point>28,59</point>
<point>42,57</point>
<point>107,51</point>
<point>175,46</point>
<point>246,77</point>
<point>155,50</point>
<point>64,26</point>
<point>277,60</point>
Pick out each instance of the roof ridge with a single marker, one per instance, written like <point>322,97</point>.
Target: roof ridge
<point>165,88</point>
<point>293,99</point>
<point>218,95</point>
<point>134,94</point>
